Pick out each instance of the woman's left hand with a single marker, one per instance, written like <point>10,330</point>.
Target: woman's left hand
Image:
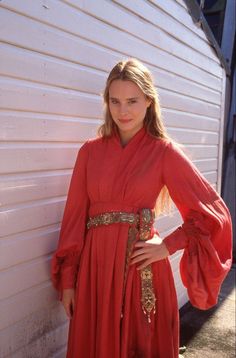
<point>149,251</point>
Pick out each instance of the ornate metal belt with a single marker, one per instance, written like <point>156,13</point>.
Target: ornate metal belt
<point>140,226</point>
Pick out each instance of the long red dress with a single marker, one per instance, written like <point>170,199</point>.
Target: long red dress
<point>108,177</point>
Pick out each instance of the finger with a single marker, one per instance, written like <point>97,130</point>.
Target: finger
<point>67,309</point>
<point>73,305</point>
<point>143,244</point>
<point>138,252</point>
<point>140,244</point>
<point>145,250</point>
<point>71,309</point>
<point>144,264</point>
<point>73,302</point>
<point>139,258</point>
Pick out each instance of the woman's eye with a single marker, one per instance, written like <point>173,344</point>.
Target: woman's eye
<point>116,102</point>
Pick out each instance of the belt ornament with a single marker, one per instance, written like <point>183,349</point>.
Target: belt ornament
<point>140,227</point>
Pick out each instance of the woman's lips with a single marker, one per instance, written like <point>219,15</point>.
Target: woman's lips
<point>125,120</point>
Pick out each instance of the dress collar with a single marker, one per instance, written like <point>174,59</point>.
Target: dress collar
<point>135,139</point>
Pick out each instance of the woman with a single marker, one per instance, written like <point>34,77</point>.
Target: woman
<point>111,267</point>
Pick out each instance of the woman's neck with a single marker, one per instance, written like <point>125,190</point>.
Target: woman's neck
<point>126,136</point>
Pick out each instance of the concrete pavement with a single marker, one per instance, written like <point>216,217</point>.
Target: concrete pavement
<point>211,333</point>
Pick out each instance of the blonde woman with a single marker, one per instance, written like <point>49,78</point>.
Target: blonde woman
<point>111,266</point>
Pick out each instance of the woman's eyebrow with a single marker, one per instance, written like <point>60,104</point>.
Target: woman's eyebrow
<point>126,98</point>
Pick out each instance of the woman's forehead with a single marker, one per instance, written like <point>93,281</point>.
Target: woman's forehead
<point>124,89</point>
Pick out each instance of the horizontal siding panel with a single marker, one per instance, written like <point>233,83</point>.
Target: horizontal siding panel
<point>178,282</point>
<point>28,158</point>
<point>19,188</point>
<point>179,11</point>
<point>176,258</point>
<point>188,136</point>
<point>180,102</point>
<point>45,69</point>
<point>18,126</point>
<point>36,298</point>
<point>181,291</point>
<point>30,328</point>
<point>66,46</point>
<point>56,72</point>
<point>207,165</point>
<point>20,95</point>
<point>26,246</point>
<point>173,118</point>
<point>188,87</point>
<point>66,18</point>
<point>175,264</point>
<point>167,222</point>
<point>58,44</point>
<point>182,298</point>
<point>156,27</point>
<point>24,276</point>
<point>180,288</point>
<point>201,152</point>
<point>180,2</point>
<point>211,177</point>
<point>31,216</point>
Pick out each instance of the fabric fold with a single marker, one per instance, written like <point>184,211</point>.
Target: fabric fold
<point>64,267</point>
<point>65,260</point>
<point>206,233</point>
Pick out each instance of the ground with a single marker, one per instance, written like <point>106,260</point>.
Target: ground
<point>211,333</point>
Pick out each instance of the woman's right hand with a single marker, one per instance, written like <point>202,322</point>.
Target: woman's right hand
<point>68,301</point>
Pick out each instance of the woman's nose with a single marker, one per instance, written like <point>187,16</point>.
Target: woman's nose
<point>123,109</point>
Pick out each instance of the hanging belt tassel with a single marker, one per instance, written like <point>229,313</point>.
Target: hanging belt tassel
<point>148,298</point>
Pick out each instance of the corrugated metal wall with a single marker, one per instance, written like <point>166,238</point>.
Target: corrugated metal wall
<point>55,56</point>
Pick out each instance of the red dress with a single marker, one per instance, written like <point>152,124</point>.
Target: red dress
<point>108,177</point>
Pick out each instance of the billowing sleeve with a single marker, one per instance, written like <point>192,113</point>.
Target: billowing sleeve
<point>65,260</point>
<point>206,233</point>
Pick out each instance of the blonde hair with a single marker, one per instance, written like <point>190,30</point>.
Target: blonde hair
<point>133,70</point>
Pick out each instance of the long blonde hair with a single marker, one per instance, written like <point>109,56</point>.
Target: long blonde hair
<point>133,70</point>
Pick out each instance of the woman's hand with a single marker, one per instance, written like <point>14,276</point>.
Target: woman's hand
<point>68,301</point>
<point>149,251</point>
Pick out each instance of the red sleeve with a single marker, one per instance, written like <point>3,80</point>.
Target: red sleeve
<point>206,233</point>
<point>65,260</point>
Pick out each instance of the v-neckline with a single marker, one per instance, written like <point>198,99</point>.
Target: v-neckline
<point>135,139</point>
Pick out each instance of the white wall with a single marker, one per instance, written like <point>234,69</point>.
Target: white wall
<point>54,59</point>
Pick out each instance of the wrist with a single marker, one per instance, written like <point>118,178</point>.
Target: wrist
<point>177,240</point>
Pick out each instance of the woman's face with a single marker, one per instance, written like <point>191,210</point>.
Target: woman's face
<point>128,106</point>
